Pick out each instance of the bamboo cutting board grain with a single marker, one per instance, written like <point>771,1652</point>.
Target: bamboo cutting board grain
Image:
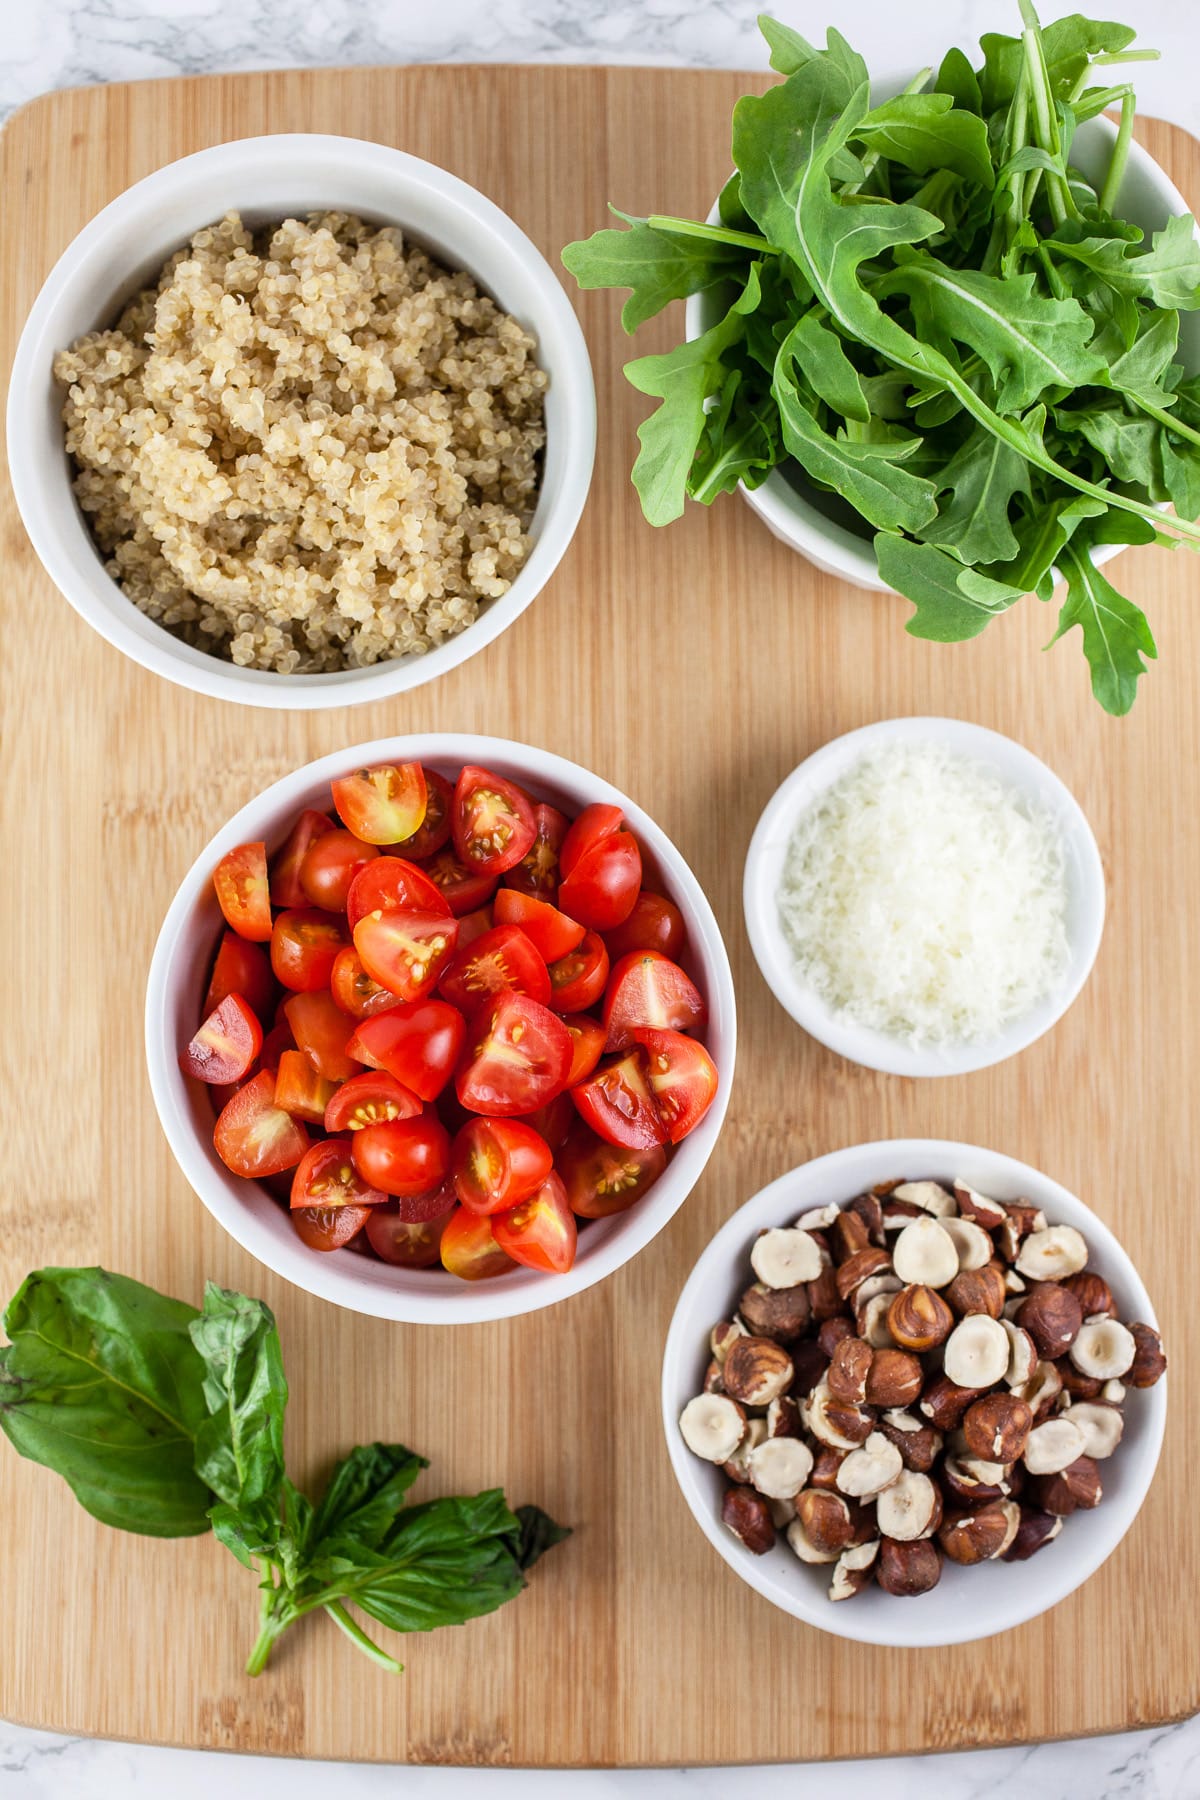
<point>694,667</point>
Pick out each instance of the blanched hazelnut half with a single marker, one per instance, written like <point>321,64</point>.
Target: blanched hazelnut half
<point>924,1255</point>
<point>868,1471</point>
<point>1052,1253</point>
<point>1041,1390</point>
<point>972,1242</point>
<point>816,1411</point>
<point>780,1466</point>
<point>784,1257</point>
<point>1104,1348</point>
<point>712,1426</point>
<point>853,1572</point>
<point>723,1335</point>
<point>871,1320</point>
<point>1022,1354</point>
<point>736,1466</point>
<point>976,1354</point>
<point>1053,1445</point>
<point>930,1196</point>
<point>909,1507</point>
<point>816,1218</point>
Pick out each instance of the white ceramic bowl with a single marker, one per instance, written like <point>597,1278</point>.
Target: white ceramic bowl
<point>266,179</point>
<point>767,855</point>
<point>825,529</point>
<point>968,1603</point>
<point>179,974</point>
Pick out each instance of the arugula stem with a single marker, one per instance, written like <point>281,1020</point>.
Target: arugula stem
<point>358,1637</point>
<point>1120,156</point>
<point>870,161</point>
<point>1058,193</point>
<point>720,234</point>
<point>1165,418</point>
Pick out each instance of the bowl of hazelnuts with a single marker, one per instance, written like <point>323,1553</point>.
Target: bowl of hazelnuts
<point>914,1370</point>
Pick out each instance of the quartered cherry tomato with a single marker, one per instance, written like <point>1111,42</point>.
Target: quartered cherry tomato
<point>463,890</point>
<point>472,925</point>
<point>500,959</point>
<point>322,1031</point>
<point>517,1056</point>
<point>226,1044</point>
<point>577,979</point>
<point>587,1045</point>
<point>494,1163</point>
<point>618,1104</point>
<point>655,923</point>
<point>604,882</point>
<point>406,1157</point>
<point>330,1227</point>
<point>410,1244</point>
<point>304,947</point>
<point>327,1177</point>
<point>434,829</point>
<point>537,873</point>
<point>391,882</point>
<point>602,1179</point>
<point>469,1248</point>
<point>301,1090</point>
<point>330,864</point>
<point>539,1232</point>
<point>277,1040</point>
<point>241,968</point>
<point>382,805</point>
<point>554,1120</point>
<point>253,1136</point>
<point>369,1099</point>
<point>405,952</point>
<point>240,880</point>
<point>683,1079</point>
<point>418,1042</point>
<point>550,932</point>
<point>285,865</point>
<point>648,989</point>
<point>353,988</point>
<point>491,820</point>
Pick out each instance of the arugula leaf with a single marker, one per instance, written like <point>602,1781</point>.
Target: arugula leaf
<point>656,266</point>
<point>740,441</point>
<point>926,131</point>
<point>982,479</point>
<point>957,78</point>
<point>952,602</point>
<point>1181,476</point>
<point>1041,533</point>
<point>1116,635</point>
<point>239,1448</point>
<point>1167,274</point>
<point>819,353</point>
<point>1128,442</point>
<point>790,52</point>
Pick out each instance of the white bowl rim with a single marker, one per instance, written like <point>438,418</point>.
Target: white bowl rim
<point>1020,769</point>
<point>99,600</point>
<point>340,1275</point>
<point>686,1349</point>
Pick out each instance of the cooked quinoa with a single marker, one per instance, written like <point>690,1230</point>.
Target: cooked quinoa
<point>308,447</point>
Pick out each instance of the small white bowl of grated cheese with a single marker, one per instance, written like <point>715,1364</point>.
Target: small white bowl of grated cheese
<point>924,896</point>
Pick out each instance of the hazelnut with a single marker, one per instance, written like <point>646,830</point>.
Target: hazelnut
<point>899,1213</point>
<point>909,1508</point>
<point>835,1422</point>
<point>1019,1220</point>
<point>853,1572</point>
<point>974,1483</point>
<point>803,1546</point>
<point>712,1378</point>
<point>858,1266</point>
<point>848,1370</point>
<point>1104,1348</point>
<point>871,1316</point>
<point>779,1313</point>
<point>1053,1445</point>
<point>826,1464</point>
<point>1092,1292</point>
<point>736,1466</point>
<point>757,1370</point>
<point>817,1217</point>
<point>825,1519</point>
<point>971,1241</point>
<point>867,1208</point>
<point>782,1513</point>
<point>977,1207</point>
<point>1076,1486</point>
<point>894,1378</point>
<point>850,1422</point>
<point>1102,1426</point>
<point>780,1466</point>
<point>809,1363</point>
<point>930,1196</point>
<point>1022,1354</point>
<point>712,1426</point>
<point>975,1537</point>
<point>868,1471</point>
<point>784,1257</point>
<point>1041,1390</point>
<point>997,1427</point>
<point>977,1291</point>
<point>924,1254</point>
<point>1035,1530</point>
<point>943,1402</point>
<point>847,1234</point>
<point>722,1336</point>
<point>919,1444</point>
<point>1051,1316</point>
<point>919,1319</point>
<point>1079,1387</point>
<point>749,1518</point>
<point>831,1332</point>
<point>1052,1253</point>
<point>1148,1363</point>
<point>976,1353</point>
<point>823,1296</point>
<point>783,1417</point>
<point>906,1569</point>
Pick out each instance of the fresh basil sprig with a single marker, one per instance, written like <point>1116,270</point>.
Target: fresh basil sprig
<point>926,306</point>
<point>169,1422</point>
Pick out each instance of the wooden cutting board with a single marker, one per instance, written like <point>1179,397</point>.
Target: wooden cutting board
<point>694,667</point>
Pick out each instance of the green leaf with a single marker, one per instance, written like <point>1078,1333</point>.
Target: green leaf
<point>1128,442</point>
<point>1068,46</point>
<point>365,1493</point>
<point>1181,476</point>
<point>957,78</point>
<point>740,442</point>
<point>819,353</point>
<point>1041,533</point>
<point>247,1531</point>
<point>1167,274</point>
<point>926,131</point>
<point>239,1448</point>
<point>538,1534</point>
<point>656,266</point>
<point>1140,370</point>
<point>982,479</point>
<point>791,52</point>
<point>101,1384</point>
<point>1116,635</point>
<point>952,603</point>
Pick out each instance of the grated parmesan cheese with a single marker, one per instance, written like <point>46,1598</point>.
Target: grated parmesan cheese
<point>923,897</point>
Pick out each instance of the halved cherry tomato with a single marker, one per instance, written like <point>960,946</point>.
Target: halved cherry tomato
<point>353,989</point>
<point>577,979</point>
<point>226,1044</point>
<point>240,880</point>
<point>492,821</point>
<point>406,952</point>
<point>603,885</point>
<point>602,1179</point>
<point>472,925</point>
<point>330,864</point>
<point>327,1177</point>
<point>434,829</point>
<point>407,1243</point>
<point>382,805</point>
<point>550,932</point>
<point>517,1056</point>
<point>304,947</point>
<point>587,1045</point>
<point>369,1099</point>
<point>241,968</point>
<point>554,1120</point>
<point>648,989</point>
<point>469,1248</point>
<point>406,1157</point>
<point>618,1104</point>
<point>539,1232</point>
<point>500,959</point>
<point>594,824</point>
<point>253,1136</point>
<point>494,1163</point>
<point>683,1079</point>
<point>391,882</point>
<point>301,1090</point>
<point>330,1227</point>
<point>277,1040</point>
<point>284,867</point>
<point>419,1043</point>
<point>463,890</point>
<point>537,873</point>
<point>322,1031</point>
<point>655,923</point>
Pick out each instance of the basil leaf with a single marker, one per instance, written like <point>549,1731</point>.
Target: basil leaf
<point>365,1492</point>
<point>656,266</point>
<point>239,1448</point>
<point>952,603</point>
<point>538,1534</point>
<point>1116,635</point>
<point>100,1383</point>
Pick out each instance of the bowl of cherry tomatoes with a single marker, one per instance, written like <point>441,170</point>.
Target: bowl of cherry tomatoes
<point>441,1028</point>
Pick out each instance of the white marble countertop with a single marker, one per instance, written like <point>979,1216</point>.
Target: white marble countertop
<point>60,43</point>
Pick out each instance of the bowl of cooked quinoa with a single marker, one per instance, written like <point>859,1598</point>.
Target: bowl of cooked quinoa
<point>301,421</point>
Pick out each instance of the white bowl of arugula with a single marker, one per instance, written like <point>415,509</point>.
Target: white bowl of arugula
<point>945,345</point>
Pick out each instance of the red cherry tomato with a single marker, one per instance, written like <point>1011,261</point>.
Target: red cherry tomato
<point>554,1120</point>
<point>604,883</point>
<point>405,952</point>
<point>463,890</point>
<point>330,1227</point>
<point>390,883</point>
<point>472,925</point>
<point>277,1040</point>
<point>683,1079</point>
<point>241,968</point>
<point>418,1043</point>
<point>226,1044</point>
<point>537,873</point>
<point>253,1136</point>
<point>517,1057</point>
<point>330,864</point>
<point>240,880</point>
<point>587,1045</point>
<point>594,824</point>
<point>301,1090</point>
<point>304,947</point>
<point>491,822</point>
<point>406,1243</point>
<point>601,1178</point>
<point>577,979</point>
<point>550,932</point>
<point>406,1157</point>
<point>284,877</point>
<point>539,1232</point>
<point>618,1104</point>
<point>469,1248</point>
<point>655,923</point>
<point>500,959</point>
<point>494,1163</point>
<point>322,1031</point>
<point>647,989</point>
<point>382,805</point>
<point>369,1099</point>
<point>353,989</point>
<point>434,829</point>
<point>327,1177</point>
